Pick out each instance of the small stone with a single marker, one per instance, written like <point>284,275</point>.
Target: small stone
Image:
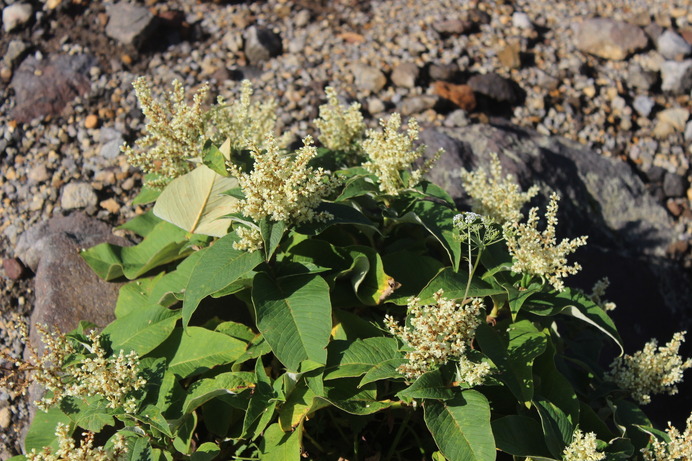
<point>674,185</point>
<point>375,105</point>
<point>5,417</point>
<point>461,95</point>
<point>417,104</point>
<point>110,205</point>
<point>302,18</point>
<point>653,31</point>
<point>39,173</point>
<point>261,44</point>
<point>643,105</point>
<point>509,56</point>
<point>77,195</point>
<point>496,87</point>
<point>442,71</point>
<point>608,38</point>
<point>16,50</point>
<point>452,26</point>
<point>688,131</point>
<point>91,121</point>
<point>5,74</point>
<point>368,79</point>
<point>130,24</point>
<point>405,75</point>
<point>640,78</point>
<point>128,184</point>
<point>16,15</point>
<point>14,269</point>
<point>676,117</point>
<point>53,4</point>
<point>456,118</point>
<point>521,20</point>
<point>233,41</point>
<point>676,76</point>
<point>672,46</point>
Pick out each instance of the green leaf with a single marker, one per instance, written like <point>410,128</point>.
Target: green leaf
<point>513,354</point>
<point>345,394</point>
<point>433,190</point>
<point>134,294</point>
<point>42,430</point>
<point>461,427</point>
<point>383,370</point>
<point>301,402</point>
<point>170,287</point>
<point>271,233</point>
<point>152,415</point>
<point>139,449</point>
<point>164,244</point>
<point>412,271</point>
<point>195,202</point>
<point>519,436</point>
<point>294,316</point>
<point>196,350</point>
<point>219,267</point>
<point>278,445</point>
<point>146,195</point>
<point>260,402</point>
<point>89,413</point>
<point>556,425</point>
<point>355,358</point>
<point>437,218</point>
<point>204,390</point>
<point>341,214</point>
<point>215,158</point>
<point>352,326</point>
<point>454,286</point>
<point>553,385</point>
<point>236,330</point>
<point>142,330</point>
<point>516,298</point>
<point>208,451</point>
<point>185,432</point>
<point>370,283</point>
<point>430,385</point>
<point>358,186</point>
<point>141,225</point>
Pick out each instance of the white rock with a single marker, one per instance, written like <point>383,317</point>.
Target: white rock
<point>77,195</point>
<point>521,20</point>
<point>5,418</point>
<point>643,105</point>
<point>676,76</point>
<point>688,131</point>
<point>15,15</point>
<point>671,45</point>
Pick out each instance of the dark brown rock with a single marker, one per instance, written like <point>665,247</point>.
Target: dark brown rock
<point>497,88</point>
<point>45,87</point>
<point>14,269</point>
<point>461,95</point>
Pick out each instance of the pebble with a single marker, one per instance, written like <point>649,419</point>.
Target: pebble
<point>640,78</point>
<point>670,121</point>
<point>461,95</point>
<point>495,87</point>
<point>672,46</point>
<point>509,56</point>
<point>375,105</point>
<point>77,195</point>
<point>16,15</point>
<point>261,44</point>
<point>5,417</point>
<point>442,71</point>
<point>39,173</point>
<point>129,24</point>
<point>405,75</point>
<point>368,79</point>
<point>417,104</point>
<point>521,20</point>
<point>676,76</point>
<point>643,105</point>
<point>688,131</point>
<point>91,121</point>
<point>608,38</point>
<point>110,205</point>
<point>14,270</point>
<point>674,185</point>
<point>16,50</point>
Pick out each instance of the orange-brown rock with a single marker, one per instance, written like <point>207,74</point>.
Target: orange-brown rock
<point>461,95</point>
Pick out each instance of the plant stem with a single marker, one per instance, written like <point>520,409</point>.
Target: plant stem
<point>398,435</point>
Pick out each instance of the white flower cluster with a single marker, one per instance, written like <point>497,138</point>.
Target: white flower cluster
<point>392,153</point>
<point>340,128</point>
<point>244,123</point>
<point>653,370</point>
<point>175,132</point>
<point>281,187</point>
<point>439,333</point>
<point>582,448</point>
<point>68,451</point>
<point>537,253</point>
<point>678,449</point>
<point>495,196</point>
<point>113,378</point>
<point>597,293</point>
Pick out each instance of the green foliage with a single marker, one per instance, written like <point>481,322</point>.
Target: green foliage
<point>283,353</point>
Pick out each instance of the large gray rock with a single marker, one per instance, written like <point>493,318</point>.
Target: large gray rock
<point>676,76</point>
<point>608,38</point>
<point>66,288</point>
<point>671,46</point>
<point>629,231</point>
<point>130,24</point>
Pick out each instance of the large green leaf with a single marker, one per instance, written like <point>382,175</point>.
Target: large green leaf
<point>383,370</point>
<point>341,214</point>
<point>454,286</point>
<point>355,358</point>
<point>42,430</point>
<point>461,427</point>
<point>430,385</point>
<point>143,329</point>
<point>90,413</point>
<point>260,402</point>
<point>134,294</point>
<point>195,202</point>
<point>370,283</point>
<point>170,288</point>
<point>411,270</point>
<point>346,395</point>
<point>557,427</point>
<point>196,350</point>
<point>553,385</point>
<point>204,390</point>
<point>164,244</point>
<point>520,436</point>
<point>278,445</point>
<point>294,316</point>
<point>301,402</point>
<point>219,267</point>
<point>513,354</point>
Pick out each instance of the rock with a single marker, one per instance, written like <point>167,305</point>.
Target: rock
<point>640,78</point>
<point>261,44</point>
<point>91,121</point>
<point>676,76</point>
<point>233,41</point>
<point>375,105</point>
<point>14,269</point>
<point>442,71</point>
<point>368,79</point>
<point>45,87</point>
<point>509,56</point>
<point>497,88</point>
<point>688,131</point>
<point>461,95</point>
<point>110,205</point>
<point>66,288</point>
<point>417,104</point>
<point>643,105</point>
<point>77,195</point>
<point>16,15</point>
<point>670,121</point>
<point>674,185</point>
<point>653,31</point>
<point>16,50</point>
<point>456,118</point>
<point>5,417</point>
<point>302,18</point>
<point>521,20</point>
<point>38,173</point>
<point>405,75</point>
<point>672,46</point>
<point>452,26</point>
<point>130,24</point>
<point>608,38</point>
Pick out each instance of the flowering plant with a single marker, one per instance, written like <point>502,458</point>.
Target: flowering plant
<point>330,303</point>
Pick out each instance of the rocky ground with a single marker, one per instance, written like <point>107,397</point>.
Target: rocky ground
<point>614,76</point>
